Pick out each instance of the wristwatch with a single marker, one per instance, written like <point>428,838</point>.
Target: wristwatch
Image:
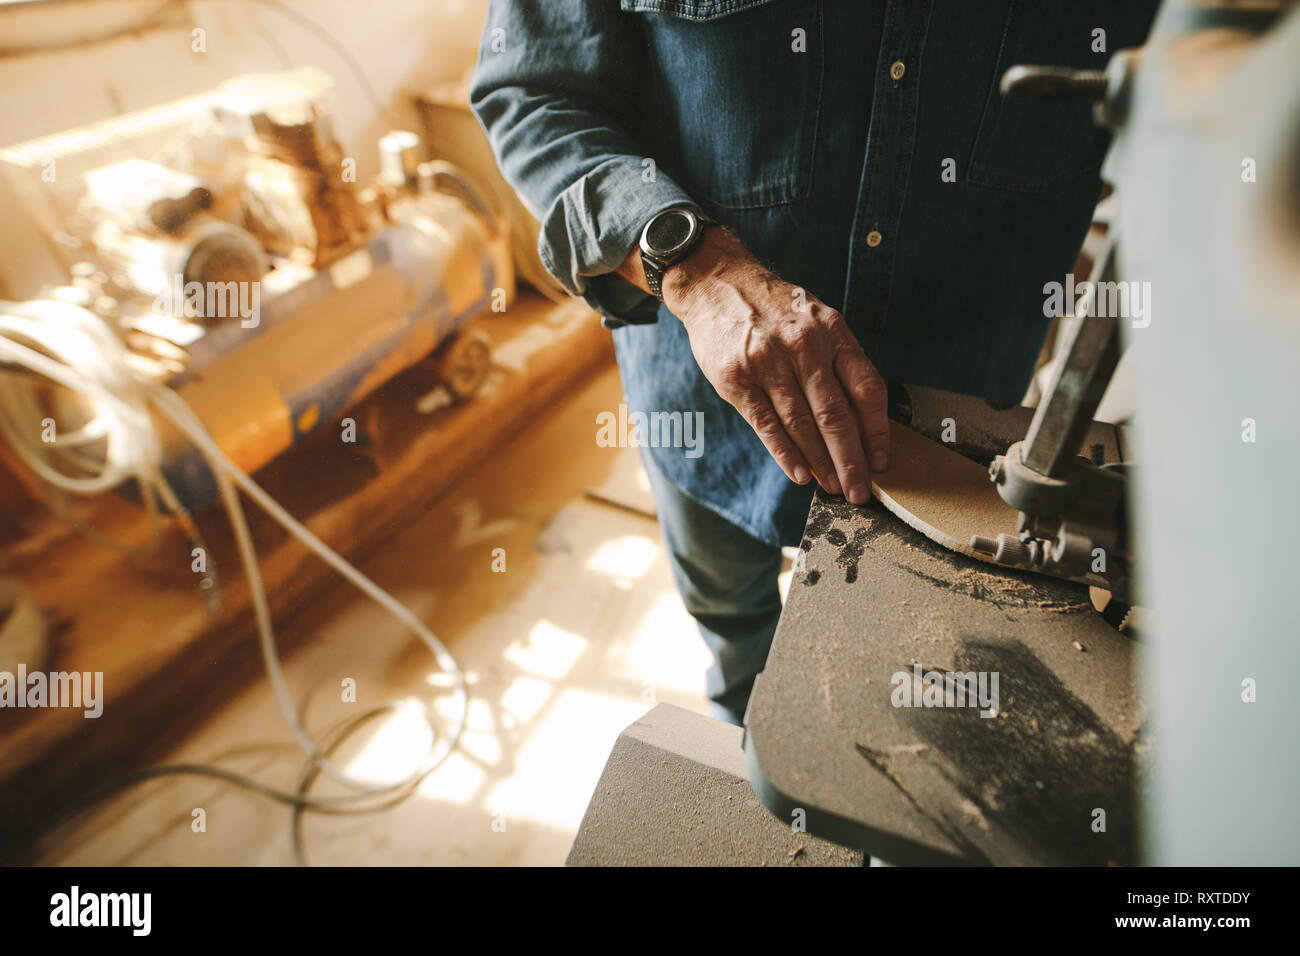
<point>668,238</point>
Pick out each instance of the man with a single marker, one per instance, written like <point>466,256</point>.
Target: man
<point>779,205</point>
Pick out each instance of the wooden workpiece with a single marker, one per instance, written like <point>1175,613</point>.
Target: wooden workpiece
<point>944,496</point>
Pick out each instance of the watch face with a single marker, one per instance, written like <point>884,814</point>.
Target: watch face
<point>668,231</point>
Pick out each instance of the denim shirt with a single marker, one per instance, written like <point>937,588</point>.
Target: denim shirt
<point>860,148</point>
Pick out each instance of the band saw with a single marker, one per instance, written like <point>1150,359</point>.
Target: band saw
<point>997,533</point>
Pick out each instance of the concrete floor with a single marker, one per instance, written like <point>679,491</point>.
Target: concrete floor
<point>578,637</point>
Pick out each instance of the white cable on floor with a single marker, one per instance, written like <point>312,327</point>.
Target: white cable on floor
<point>74,348</point>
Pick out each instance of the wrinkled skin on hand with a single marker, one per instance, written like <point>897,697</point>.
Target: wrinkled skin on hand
<point>787,362</point>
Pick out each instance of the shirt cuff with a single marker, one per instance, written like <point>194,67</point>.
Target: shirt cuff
<point>594,224</point>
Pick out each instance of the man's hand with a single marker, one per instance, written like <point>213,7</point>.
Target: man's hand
<point>786,361</point>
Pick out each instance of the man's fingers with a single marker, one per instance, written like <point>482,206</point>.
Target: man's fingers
<point>822,416</point>
<point>838,425</point>
<point>787,397</point>
<point>870,398</point>
<point>756,409</point>
<point>812,397</point>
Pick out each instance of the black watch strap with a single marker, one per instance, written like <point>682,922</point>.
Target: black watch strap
<point>654,276</point>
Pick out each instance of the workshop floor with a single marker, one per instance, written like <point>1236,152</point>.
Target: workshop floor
<point>577,638</point>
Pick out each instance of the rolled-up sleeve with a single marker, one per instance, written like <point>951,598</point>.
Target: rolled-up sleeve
<point>558,88</point>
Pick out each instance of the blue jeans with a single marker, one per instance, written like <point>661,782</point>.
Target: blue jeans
<point>728,581</point>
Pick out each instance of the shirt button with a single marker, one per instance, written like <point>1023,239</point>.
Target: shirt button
<point>897,69</point>
<point>874,238</point>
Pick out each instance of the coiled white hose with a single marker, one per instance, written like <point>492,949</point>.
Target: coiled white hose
<point>64,344</point>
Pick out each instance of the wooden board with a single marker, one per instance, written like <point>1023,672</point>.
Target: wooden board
<point>626,486</point>
<point>943,495</point>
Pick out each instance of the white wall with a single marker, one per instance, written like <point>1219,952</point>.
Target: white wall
<point>402,46</point>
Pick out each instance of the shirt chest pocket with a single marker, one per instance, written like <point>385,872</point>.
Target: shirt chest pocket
<point>1036,144</point>
<point>736,97</point>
